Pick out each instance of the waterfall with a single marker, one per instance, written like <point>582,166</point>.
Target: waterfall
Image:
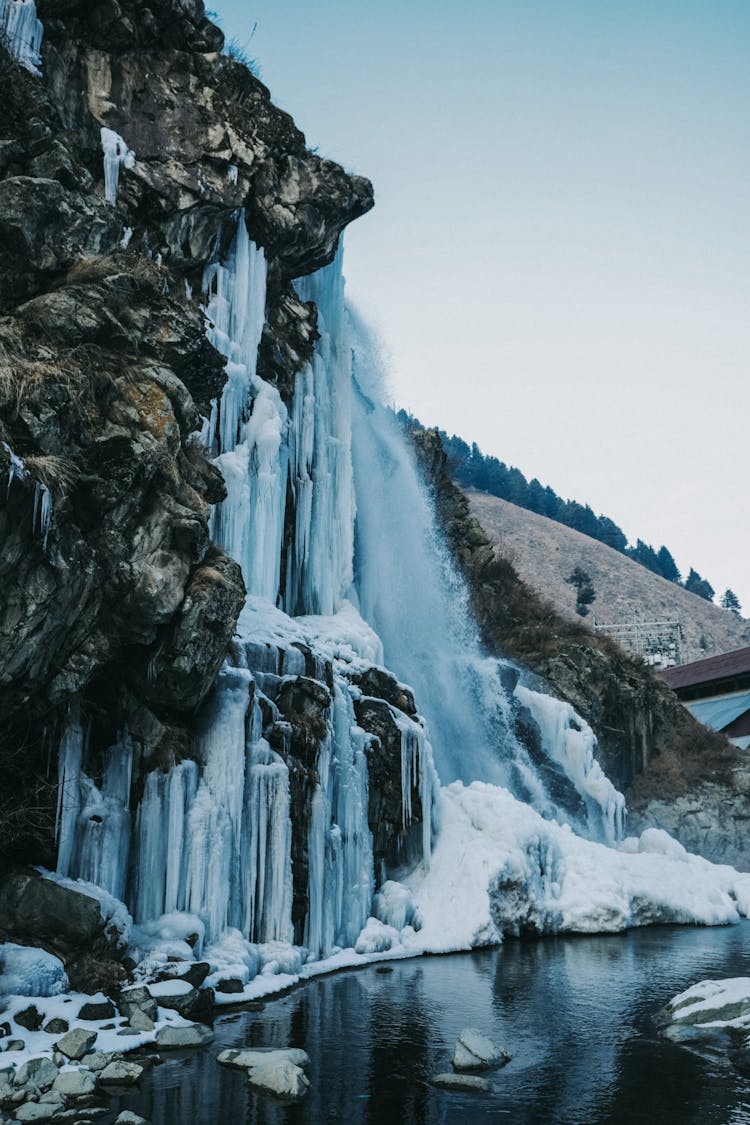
<point>464,695</point>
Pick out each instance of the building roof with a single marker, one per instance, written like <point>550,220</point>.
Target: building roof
<point>724,667</point>
<point>722,710</point>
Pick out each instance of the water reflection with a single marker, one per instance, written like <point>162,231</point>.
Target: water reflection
<point>576,1013</point>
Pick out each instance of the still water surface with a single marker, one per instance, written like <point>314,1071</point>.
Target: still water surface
<point>575,1013</point>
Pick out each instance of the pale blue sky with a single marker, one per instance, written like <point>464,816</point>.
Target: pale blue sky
<point>558,257</point>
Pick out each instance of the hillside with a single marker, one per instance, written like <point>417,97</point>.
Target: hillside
<point>545,553</point>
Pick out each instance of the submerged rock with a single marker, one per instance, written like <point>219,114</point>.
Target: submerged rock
<point>474,1051</point>
<point>450,1081</point>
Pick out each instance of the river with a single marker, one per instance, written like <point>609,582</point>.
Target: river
<point>574,1012</point>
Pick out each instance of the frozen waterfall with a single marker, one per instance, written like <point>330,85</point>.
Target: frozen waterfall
<point>262,841</point>
<point>21,32</point>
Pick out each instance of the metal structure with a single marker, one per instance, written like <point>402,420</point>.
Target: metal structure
<point>659,643</point>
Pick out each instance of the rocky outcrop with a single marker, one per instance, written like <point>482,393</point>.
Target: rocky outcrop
<point>674,772</point>
<point>111,594</point>
<point>38,911</point>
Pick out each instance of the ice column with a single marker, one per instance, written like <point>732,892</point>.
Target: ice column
<point>116,155</point>
<point>340,873</point>
<point>93,824</point>
<point>249,429</point>
<point>22,32</point>
<point>319,563</point>
<point>162,842</point>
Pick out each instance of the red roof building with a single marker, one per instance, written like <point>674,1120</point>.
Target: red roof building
<point>717,692</point>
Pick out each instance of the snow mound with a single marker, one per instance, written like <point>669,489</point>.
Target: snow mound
<point>25,971</point>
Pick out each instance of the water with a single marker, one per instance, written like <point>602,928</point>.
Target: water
<point>575,1013</point>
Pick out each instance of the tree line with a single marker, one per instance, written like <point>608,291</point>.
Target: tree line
<point>473,469</point>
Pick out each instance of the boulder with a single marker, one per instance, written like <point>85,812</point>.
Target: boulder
<point>40,1073</point>
<point>121,1073</point>
<point>56,1026</point>
<point>44,912</point>
<point>474,1051</point>
<point>138,1000</point>
<point>75,1083</point>
<point>194,972</point>
<point>127,1117</point>
<point>181,997</point>
<point>76,1043</point>
<point>15,1045</point>
<point>230,986</point>
<point>173,1038</point>
<point>30,1018</point>
<point>99,1059</point>
<point>99,1010</point>
<point>139,1021</point>
<point>36,1111</point>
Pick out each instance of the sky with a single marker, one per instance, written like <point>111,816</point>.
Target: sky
<point>558,259</point>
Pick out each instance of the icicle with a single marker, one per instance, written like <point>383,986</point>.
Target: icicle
<point>16,469</point>
<point>232,173</point>
<point>417,772</point>
<point>42,512</point>
<point>116,155</point>
<point>21,32</point>
<point>70,758</point>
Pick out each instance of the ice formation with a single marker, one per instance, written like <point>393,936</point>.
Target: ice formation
<point>116,155</point>
<point>525,833</point>
<point>41,519</point>
<point>21,32</point>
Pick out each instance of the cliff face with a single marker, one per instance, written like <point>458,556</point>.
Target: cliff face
<point>675,773</point>
<point>111,593</point>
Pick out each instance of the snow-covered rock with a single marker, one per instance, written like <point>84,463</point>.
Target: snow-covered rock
<point>30,972</point>
<point>280,1076</point>
<point>474,1051</point>
<point>249,1057</point>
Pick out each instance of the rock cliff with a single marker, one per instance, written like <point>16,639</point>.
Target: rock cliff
<point>112,597</point>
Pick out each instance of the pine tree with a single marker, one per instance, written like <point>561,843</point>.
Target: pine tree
<point>667,565</point>
<point>730,601</point>
<point>700,586</point>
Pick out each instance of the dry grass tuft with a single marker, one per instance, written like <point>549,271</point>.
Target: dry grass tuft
<point>58,474</point>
